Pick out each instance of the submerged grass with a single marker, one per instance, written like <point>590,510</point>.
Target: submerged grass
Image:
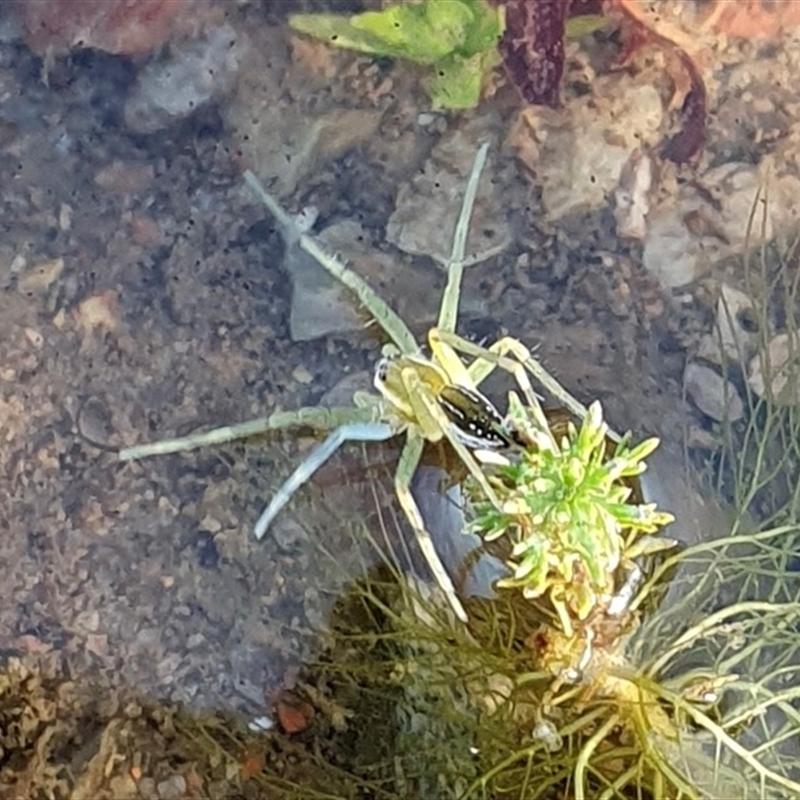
<point>705,706</point>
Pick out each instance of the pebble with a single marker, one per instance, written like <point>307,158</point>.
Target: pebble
<point>579,153</point>
<point>702,224</point>
<point>125,178</point>
<point>34,337</point>
<point>302,375</point>
<point>737,323</point>
<point>147,788</point>
<point>40,277</point>
<point>169,90</point>
<point>711,393</point>
<point>172,788</point>
<point>427,207</point>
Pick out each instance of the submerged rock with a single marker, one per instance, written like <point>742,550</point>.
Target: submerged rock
<point>578,152</point>
<point>427,207</point>
<point>711,393</point>
<point>197,73</point>
<point>775,374</point>
<point>710,219</point>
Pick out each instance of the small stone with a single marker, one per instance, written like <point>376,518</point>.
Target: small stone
<point>427,207</point>
<point>211,524</point>
<point>294,715</point>
<point>97,312</point>
<point>578,152</point>
<point>287,533</point>
<point>631,197</point>
<point>123,786</point>
<point>125,178</point>
<point>302,375</point>
<point>172,788</point>
<point>88,621</point>
<point>737,323</point>
<point>40,277</point>
<point>65,217</point>
<point>196,72</point>
<point>711,393</point>
<point>34,337</point>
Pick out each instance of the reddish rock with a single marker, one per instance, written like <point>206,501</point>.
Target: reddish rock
<point>294,715</point>
<point>126,27</point>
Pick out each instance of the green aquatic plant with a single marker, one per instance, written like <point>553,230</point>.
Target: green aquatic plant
<point>565,507</point>
<point>456,39</point>
<point>698,702</point>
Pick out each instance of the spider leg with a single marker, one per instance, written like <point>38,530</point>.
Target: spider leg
<point>406,467</point>
<point>384,315</point>
<point>471,463</point>
<point>487,359</point>
<point>356,432</point>
<point>448,311</point>
<point>319,418</point>
<point>431,417</point>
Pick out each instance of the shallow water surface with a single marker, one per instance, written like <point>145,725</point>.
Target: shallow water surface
<point>147,294</point>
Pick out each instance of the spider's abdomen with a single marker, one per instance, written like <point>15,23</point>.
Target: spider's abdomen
<point>477,422</point>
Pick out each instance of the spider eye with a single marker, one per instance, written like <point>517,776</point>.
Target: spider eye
<point>381,369</point>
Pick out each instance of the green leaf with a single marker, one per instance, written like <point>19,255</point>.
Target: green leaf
<point>417,33</point>
<point>583,599</point>
<point>425,33</point>
<point>456,81</point>
<point>486,30</point>
<point>643,450</point>
<point>593,430</point>
<point>649,545</point>
<point>339,31</point>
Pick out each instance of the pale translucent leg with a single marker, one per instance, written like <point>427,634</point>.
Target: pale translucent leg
<point>448,311</point>
<point>357,432</point>
<point>377,307</point>
<point>406,467</point>
<point>324,419</point>
<point>486,360</point>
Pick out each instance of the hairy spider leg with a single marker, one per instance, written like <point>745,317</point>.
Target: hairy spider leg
<point>383,314</point>
<point>448,310</point>
<point>488,358</point>
<point>406,468</point>
<point>427,409</point>
<point>356,432</point>
<point>323,419</point>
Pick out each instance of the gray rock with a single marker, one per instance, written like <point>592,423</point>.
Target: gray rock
<point>428,206</point>
<point>711,393</point>
<point>169,90</point>
<point>700,225</point>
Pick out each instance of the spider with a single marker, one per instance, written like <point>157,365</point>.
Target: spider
<point>428,398</point>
